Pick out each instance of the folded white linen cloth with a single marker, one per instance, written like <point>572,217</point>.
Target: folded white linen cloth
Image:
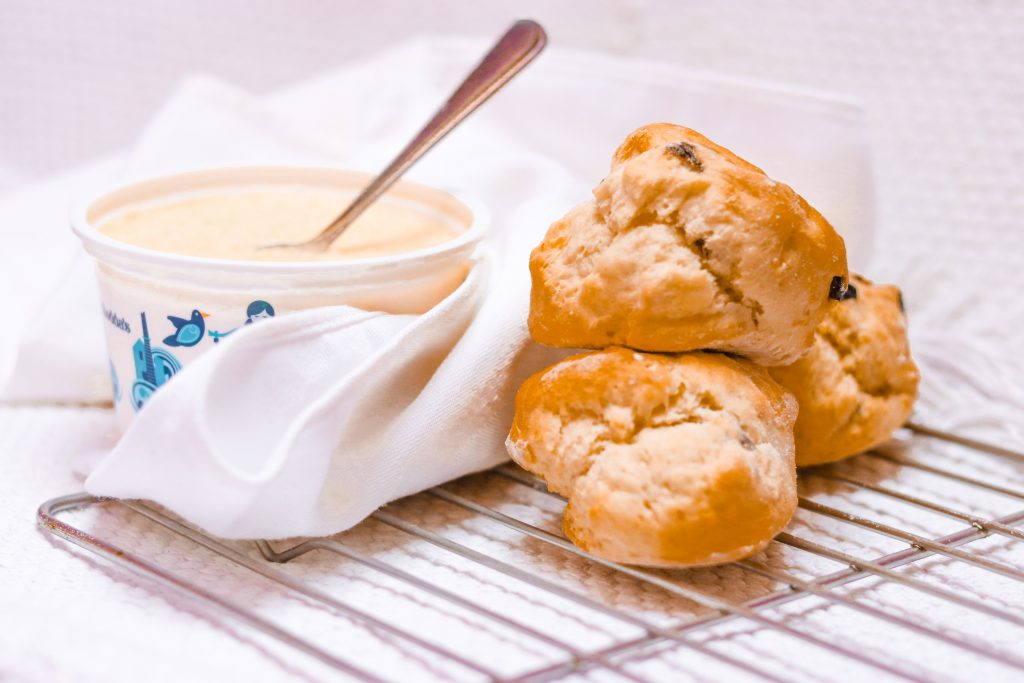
<point>249,441</point>
<point>375,407</point>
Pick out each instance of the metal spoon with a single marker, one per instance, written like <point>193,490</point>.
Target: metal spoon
<point>513,51</point>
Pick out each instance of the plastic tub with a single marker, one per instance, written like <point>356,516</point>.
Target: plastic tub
<point>142,289</point>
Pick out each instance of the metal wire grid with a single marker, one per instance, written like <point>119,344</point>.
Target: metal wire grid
<point>613,658</point>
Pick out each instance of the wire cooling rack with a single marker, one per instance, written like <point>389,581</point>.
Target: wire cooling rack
<point>916,542</point>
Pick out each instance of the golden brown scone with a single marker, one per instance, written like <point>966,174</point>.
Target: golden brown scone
<point>667,460</point>
<point>686,246</point>
<point>858,383</point>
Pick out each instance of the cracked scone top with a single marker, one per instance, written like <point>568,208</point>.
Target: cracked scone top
<point>858,383</point>
<point>686,246</point>
<point>667,460</point>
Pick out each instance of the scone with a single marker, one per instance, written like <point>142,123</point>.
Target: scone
<point>858,382</point>
<point>686,246</point>
<point>667,460</point>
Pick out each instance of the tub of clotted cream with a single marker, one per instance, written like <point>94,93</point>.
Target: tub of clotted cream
<point>182,264</point>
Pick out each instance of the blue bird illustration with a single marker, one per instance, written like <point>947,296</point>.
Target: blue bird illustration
<point>187,332</point>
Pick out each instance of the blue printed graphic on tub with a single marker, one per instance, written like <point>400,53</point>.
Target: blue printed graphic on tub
<point>257,310</point>
<point>153,367</point>
<point>115,383</point>
<point>187,332</point>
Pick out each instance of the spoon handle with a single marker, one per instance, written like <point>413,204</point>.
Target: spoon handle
<point>513,51</point>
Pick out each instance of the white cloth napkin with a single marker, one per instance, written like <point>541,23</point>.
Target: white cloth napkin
<point>398,403</point>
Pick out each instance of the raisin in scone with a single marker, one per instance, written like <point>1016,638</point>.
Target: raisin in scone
<point>686,246</point>
<point>858,383</point>
<point>666,460</point>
